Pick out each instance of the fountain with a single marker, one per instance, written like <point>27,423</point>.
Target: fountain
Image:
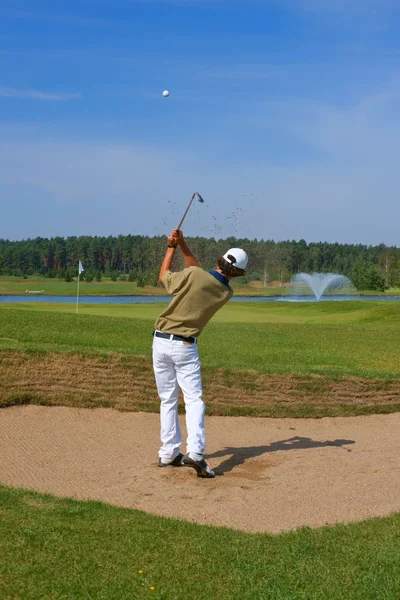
<point>319,283</point>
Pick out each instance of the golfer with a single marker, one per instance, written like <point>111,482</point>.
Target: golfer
<point>197,295</point>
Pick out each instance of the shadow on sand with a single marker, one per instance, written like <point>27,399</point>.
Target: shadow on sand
<point>237,456</point>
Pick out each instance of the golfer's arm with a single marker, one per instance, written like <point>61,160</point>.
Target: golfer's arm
<point>190,259</point>
<point>166,263</point>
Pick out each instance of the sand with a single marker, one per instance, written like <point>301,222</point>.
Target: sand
<point>273,475</point>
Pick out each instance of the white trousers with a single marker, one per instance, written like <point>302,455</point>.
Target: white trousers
<point>177,365</point>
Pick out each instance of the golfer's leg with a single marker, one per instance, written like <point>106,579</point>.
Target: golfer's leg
<point>167,387</point>
<point>187,365</point>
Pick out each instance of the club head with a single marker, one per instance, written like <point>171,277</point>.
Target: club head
<point>197,197</point>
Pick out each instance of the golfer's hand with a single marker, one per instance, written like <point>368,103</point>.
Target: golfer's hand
<point>173,238</point>
<point>180,236</point>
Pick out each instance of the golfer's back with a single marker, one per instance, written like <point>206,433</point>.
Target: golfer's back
<point>197,295</point>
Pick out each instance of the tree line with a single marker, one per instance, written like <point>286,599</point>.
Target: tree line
<point>138,258</point>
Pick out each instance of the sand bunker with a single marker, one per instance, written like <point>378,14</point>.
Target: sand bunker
<point>273,475</point>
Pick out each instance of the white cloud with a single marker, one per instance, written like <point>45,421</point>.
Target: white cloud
<point>87,187</point>
<point>314,171</point>
<point>359,15</point>
<point>370,14</point>
<point>8,92</point>
<point>351,7</point>
<point>75,20</point>
<point>241,71</point>
<point>366,131</point>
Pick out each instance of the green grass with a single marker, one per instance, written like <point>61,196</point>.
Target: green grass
<point>259,359</point>
<point>54,548</point>
<point>393,291</point>
<point>332,338</point>
<point>63,549</point>
<point>59,287</point>
<point>354,311</point>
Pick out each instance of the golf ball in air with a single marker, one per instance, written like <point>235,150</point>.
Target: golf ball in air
<point>165,93</point>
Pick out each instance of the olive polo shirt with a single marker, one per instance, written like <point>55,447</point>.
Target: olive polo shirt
<point>197,295</point>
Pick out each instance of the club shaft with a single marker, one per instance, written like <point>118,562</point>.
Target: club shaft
<point>186,211</point>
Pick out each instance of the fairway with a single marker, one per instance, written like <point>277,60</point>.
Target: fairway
<point>352,311</point>
<point>106,287</point>
<point>336,338</point>
<point>59,287</point>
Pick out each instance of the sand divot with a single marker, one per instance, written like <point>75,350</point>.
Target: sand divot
<point>273,475</point>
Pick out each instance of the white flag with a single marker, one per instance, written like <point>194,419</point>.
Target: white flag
<point>80,267</point>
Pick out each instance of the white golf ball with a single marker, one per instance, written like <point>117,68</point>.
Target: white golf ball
<point>165,93</point>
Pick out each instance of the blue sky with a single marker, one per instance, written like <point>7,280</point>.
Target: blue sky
<point>283,114</point>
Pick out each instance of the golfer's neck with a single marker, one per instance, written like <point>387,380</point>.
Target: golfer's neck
<point>219,271</point>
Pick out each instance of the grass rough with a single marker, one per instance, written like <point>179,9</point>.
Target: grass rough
<point>126,382</point>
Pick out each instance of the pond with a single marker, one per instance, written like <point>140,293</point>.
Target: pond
<point>152,299</point>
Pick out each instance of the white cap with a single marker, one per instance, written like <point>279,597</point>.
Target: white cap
<point>237,257</point>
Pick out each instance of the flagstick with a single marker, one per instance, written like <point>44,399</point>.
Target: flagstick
<point>77,293</point>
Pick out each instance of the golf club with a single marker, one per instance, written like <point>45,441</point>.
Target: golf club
<point>198,198</point>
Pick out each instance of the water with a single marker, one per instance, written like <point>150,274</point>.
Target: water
<point>154,299</point>
<point>87,299</point>
<point>319,283</point>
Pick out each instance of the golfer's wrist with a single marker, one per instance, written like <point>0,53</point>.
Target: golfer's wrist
<point>171,246</point>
